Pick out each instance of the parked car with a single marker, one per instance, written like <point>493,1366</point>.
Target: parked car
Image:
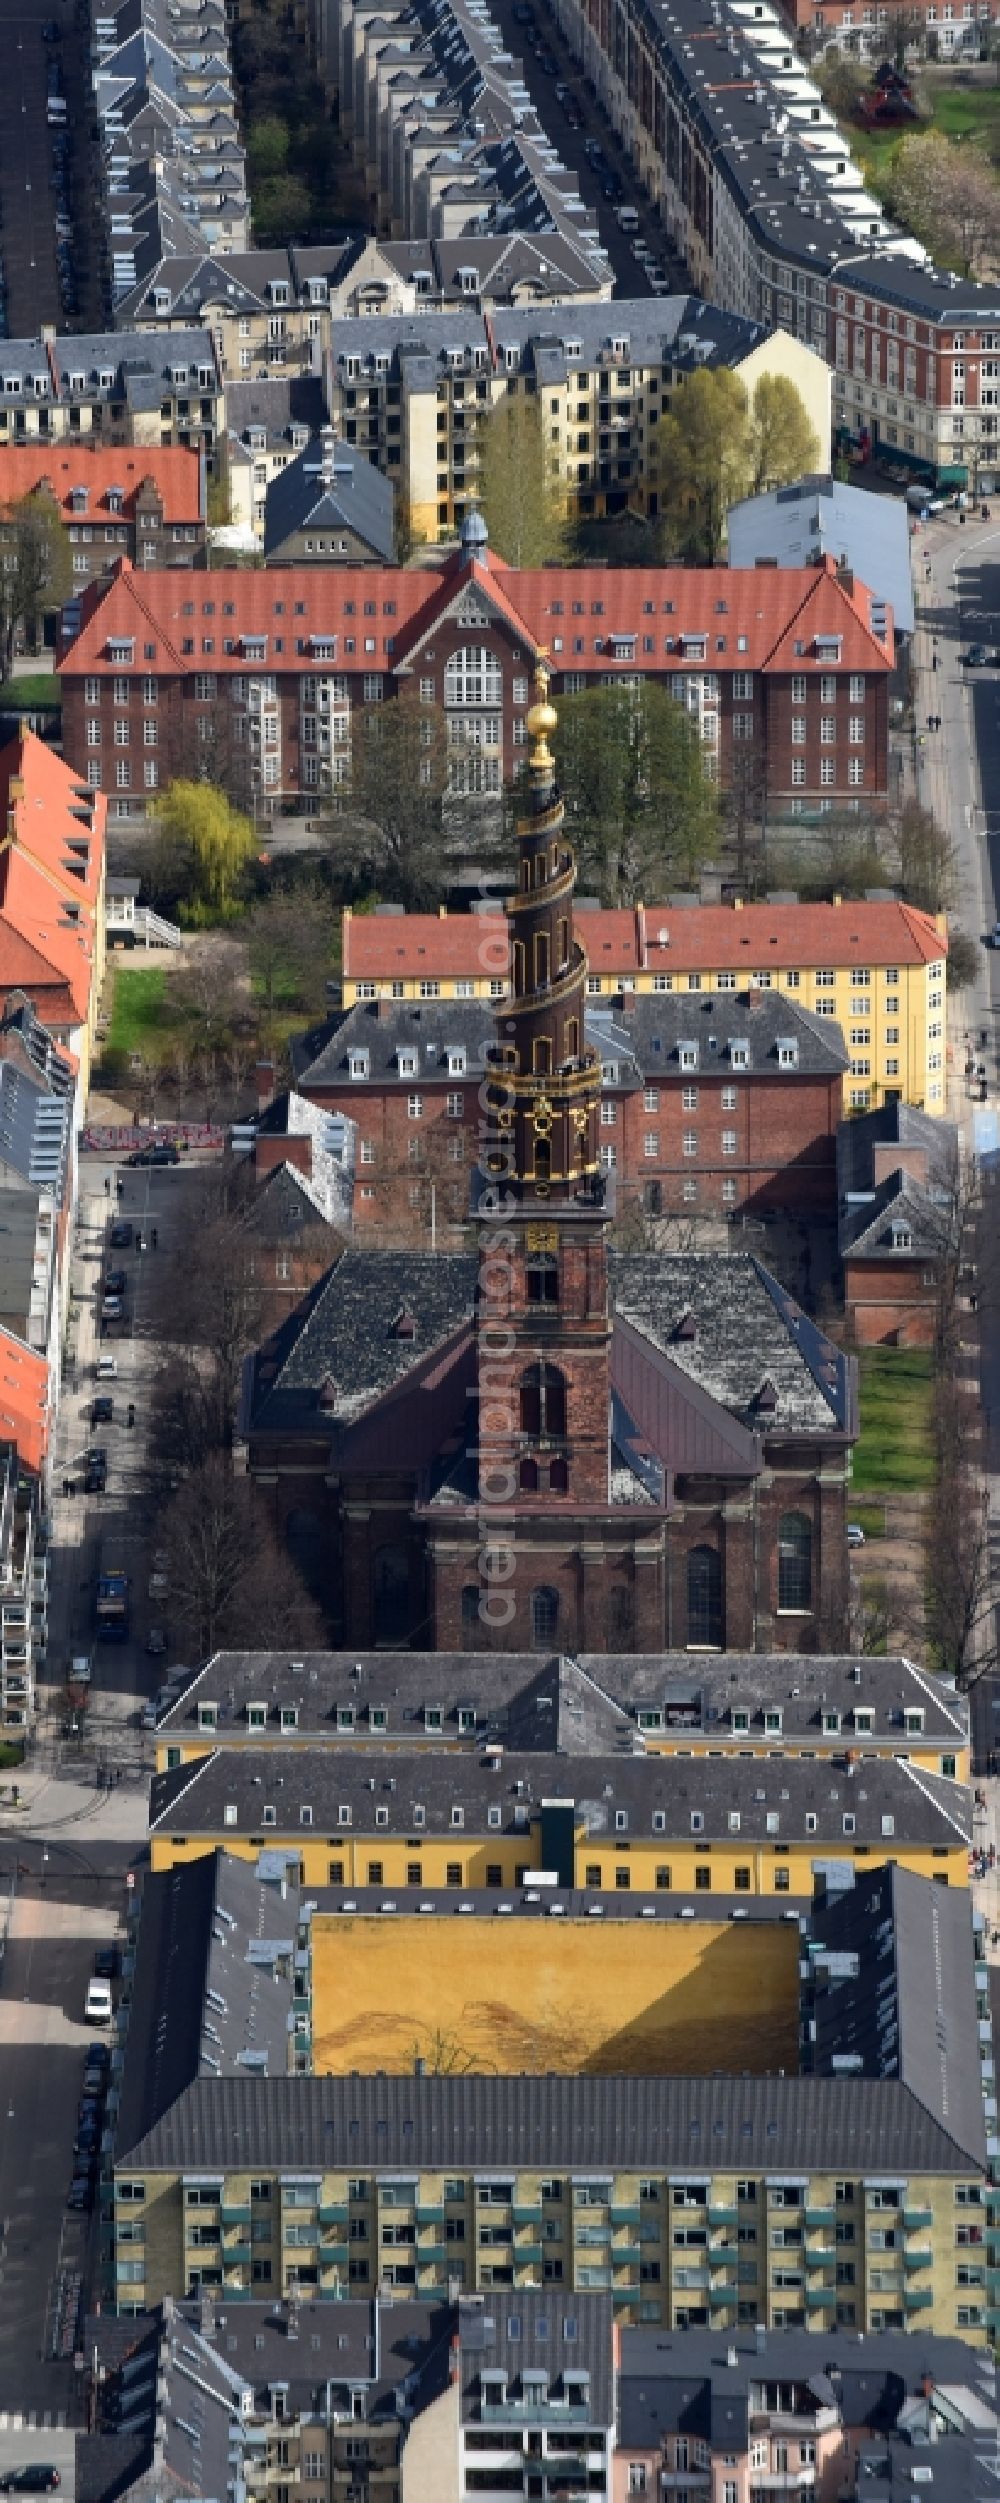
<point>106,1369</point>
<point>121,1235</point>
<point>80,1669</point>
<point>97,1470</point>
<point>38,2479</point>
<point>156,1642</point>
<point>98,2006</point>
<point>102,1410</point>
<point>106,1962</point>
<point>980,656</point>
<point>115,1281</point>
<point>80,2195</point>
<point>97,2063</point>
<point>112,1307</point>
<point>164,1153</point>
<point>993,936</point>
<point>855,1534</point>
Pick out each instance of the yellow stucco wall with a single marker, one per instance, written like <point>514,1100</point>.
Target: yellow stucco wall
<point>812,377</point>
<point>660,1867</point>
<point>581,1997</point>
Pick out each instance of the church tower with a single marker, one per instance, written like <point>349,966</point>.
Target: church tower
<point>543,1320</point>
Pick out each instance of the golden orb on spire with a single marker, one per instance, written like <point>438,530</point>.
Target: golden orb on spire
<point>542,718</point>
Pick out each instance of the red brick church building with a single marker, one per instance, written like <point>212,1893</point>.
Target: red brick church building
<point>542,1443</point>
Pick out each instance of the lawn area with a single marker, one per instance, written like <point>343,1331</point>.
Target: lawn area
<point>894,1449</point>
<point>141,1019</point>
<point>971,112</point>
<point>30,694</point>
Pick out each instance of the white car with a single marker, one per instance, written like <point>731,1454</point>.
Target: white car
<point>99,2008</point>
<point>855,1534</point>
<point>106,1369</point>
<point>80,1671</point>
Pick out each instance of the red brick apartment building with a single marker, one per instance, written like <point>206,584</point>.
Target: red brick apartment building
<point>146,504</point>
<point>709,1107</point>
<point>254,677</point>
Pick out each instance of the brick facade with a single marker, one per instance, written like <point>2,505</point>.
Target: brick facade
<point>254,681</point>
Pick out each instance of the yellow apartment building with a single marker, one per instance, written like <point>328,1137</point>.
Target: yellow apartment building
<point>878,969</point>
<point>645,1826</point>
<point>753,1704</point>
<point>414,390</point>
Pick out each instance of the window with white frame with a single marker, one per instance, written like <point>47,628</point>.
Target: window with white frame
<point>473,676</point>
<point>689,1143</point>
<point>827,771</point>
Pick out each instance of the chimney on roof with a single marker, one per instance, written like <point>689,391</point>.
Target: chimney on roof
<point>845,577</point>
<point>263,1079</point>
<point>328,456</point>
<point>206,2315</point>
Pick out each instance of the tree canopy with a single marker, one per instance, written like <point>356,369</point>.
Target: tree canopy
<point>214,841</point>
<point>639,804</point>
<point>519,494</point>
<point>716,445</point>
<point>388,831</point>
<point>37,569</point>
<point>947,194</point>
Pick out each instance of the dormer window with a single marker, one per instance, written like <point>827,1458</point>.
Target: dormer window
<point>788,1052</point>
<point>122,650</point>
<point>208,1716</point>
<point>687,1055</point>
<point>161,300</point>
<point>358,1064</point>
<point>739,1055</point>
<point>913,1720</point>
<point>323,647</point>
<point>864,1718</point>
<point>254,646</point>
<point>831,1724</point>
<point>901,1236</point>
<point>407,1062</point>
<point>256,1716</point>
<point>116,500</point>
<point>740,1718</point>
<point>79,499</point>
<point>456,1061</point>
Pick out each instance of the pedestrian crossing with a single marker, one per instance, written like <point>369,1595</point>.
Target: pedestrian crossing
<point>34,2420</point>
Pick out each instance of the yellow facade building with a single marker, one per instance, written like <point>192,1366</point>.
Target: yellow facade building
<point>877,969</point>
<point>645,1826</point>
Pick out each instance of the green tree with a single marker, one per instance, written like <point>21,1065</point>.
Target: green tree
<point>703,457</point>
<point>291,944</point>
<point>37,569</point>
<point>785,445</point>
<point>214,840</point>
<point>388,831</point>
<point>281,207</point>
<point>268,142</point>
<point>928,873</point>
<point>639,803</point>
<point>963,960</point>
<point>842,80</point>
<point>520,496</point>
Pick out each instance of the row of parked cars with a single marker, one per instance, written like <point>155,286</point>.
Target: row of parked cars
<point>57,119</point>
<point>99,2008</point>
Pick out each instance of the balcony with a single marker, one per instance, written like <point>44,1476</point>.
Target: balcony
<point>723,2216</point>
<point>626,2255</point>
<point>815,2257</point>
<point>723,2255</point>
<point>530,2214</point>
<point>334,2216</point>
<point>921,2257</point>
<point>721,2297</point>
<point>236,2254</point>
<point>917,2298</point>
<point>334,2254</point>
<point>626,2216</point>
<point>236,2216</point>
<point>915,2218</point>
<point>820,2298</point>
<point>816,2218</point>
<point>425,2215</point>
<point>528,2254</point>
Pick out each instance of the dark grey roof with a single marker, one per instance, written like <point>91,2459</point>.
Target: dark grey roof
<point>340,1351</point>
<point>898,1221</point>
<point>326,488</point>
<point>582,1707</point>
<point>345,1335</point>
<point>560,2124</point>
<point>656,1027</point>
<point>896,1929</point>
<point>884,1797</point>
<point>746,1328</point>
<point>694,2381</point>
<point>284,1207</point>
<point>952,2468</point>
<point>822,517</point>
<point>277,402</point>
<point>431,1029</point>
<point>565,2336</point>
<point>535,1903</point>
<point>211,1992</point>
<point>894,1125</point>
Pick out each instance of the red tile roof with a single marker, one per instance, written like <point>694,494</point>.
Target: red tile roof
<point>24,1399</point>
<point>51,865</point>
<point>753,619</point>
<point>176,472</point>
<point>654,938</point>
